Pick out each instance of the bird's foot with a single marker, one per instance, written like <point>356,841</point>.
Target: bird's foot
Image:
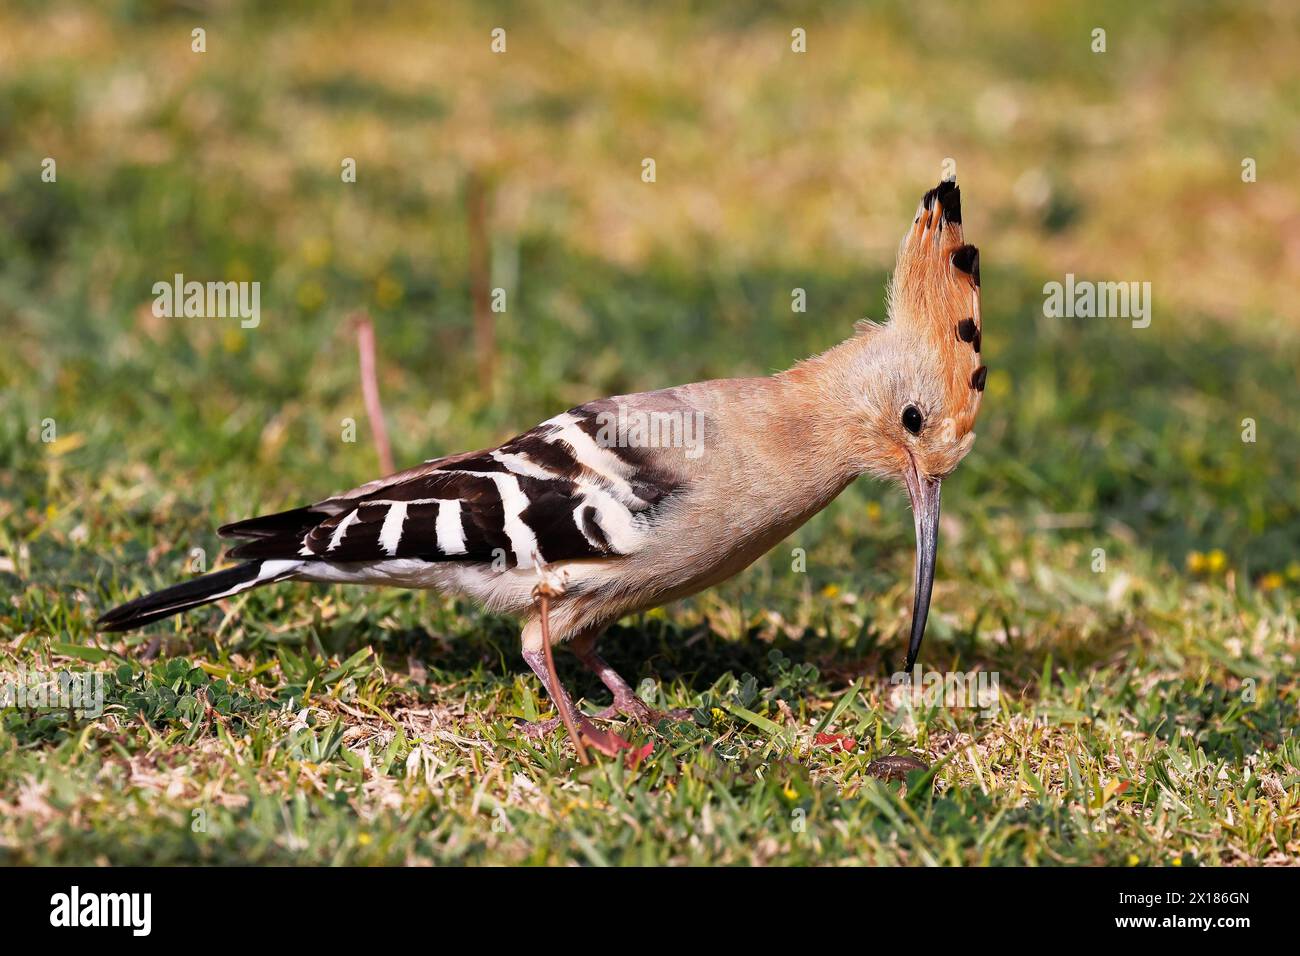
<point>635,708</point>
<point>537,729</point>
<point>606,741</point>
<point>631,707</point>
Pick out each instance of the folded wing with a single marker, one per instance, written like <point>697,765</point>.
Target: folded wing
<point>559,492</point>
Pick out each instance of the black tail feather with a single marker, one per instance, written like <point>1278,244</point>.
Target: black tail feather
<point>293,523</point>
<point>182,597</point>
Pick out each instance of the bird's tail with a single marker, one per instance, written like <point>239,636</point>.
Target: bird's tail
<point>193,593</point>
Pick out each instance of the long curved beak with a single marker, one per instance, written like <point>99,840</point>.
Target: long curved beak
<point>925,512</point>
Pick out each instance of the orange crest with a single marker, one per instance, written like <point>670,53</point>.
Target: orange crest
<point>935,293</point>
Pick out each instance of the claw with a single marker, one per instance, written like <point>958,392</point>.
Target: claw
<point>634,709</point>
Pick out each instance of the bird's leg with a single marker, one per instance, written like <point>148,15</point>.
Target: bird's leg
<point>625,699</point>
<point>626,702</point>
<point>559,696</point>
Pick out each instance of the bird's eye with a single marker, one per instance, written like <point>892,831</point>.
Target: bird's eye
<point>912,419</point>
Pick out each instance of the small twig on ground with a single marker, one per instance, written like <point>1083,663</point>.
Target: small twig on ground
<point>485,337</point>
<point>370,390</point>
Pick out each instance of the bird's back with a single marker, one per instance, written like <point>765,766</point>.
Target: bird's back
<point>634,499</point>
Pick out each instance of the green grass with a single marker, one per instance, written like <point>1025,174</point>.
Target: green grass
<point>1148,709</point>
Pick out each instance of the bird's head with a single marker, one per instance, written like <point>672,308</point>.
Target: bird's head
<point>920,378</point>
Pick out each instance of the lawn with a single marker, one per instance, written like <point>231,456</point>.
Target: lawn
<point>1121,548</point>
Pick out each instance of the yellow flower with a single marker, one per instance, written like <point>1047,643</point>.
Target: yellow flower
<point>388,291</point>
<point>1270,582</point>
<point>363,839</point>
<point>718,713</point>
<point>1195,562</point>
<point>1132,859</point>
<point>316,251</point>
<point>1216,561</point>
<point>311,296</point>
<point>1293,571</point>
<point>873,510</point>
<point>1176,861</point>
<point>66,443</point>
<point>830,591</point>
<point>790,792</point>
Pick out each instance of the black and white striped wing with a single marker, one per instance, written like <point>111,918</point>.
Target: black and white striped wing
<point>555,493</point>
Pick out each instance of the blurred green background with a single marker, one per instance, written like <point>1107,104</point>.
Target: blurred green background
<point>775,170</point>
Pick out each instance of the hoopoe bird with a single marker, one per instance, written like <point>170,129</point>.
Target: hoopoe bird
<point>639,500</point>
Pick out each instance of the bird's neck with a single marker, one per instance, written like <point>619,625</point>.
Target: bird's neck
<point>823,396</point>
<point>803,427</point>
